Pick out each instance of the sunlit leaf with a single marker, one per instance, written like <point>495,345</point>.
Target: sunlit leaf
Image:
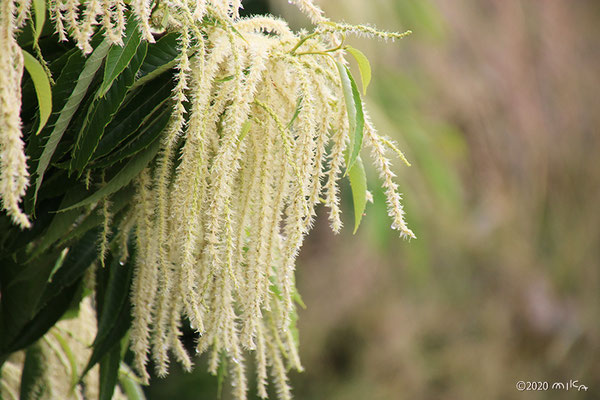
<point>355,113</point>
<point>42,88</point>
<point>358,183</point>
<point>130,386</point>
<point>39,11</point>
<point>364,67</point>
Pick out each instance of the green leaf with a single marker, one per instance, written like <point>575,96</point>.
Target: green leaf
<point>70,356</point>
<point>133,167</point>
<point>102,111</point>
<point>115,297</point>
<point>61,223</point>
<point>39,10</point>
<point>147,135</point>
<point>22,288</point>
<point>45,319</point>
<point>91,66</point>
<point>42,88</point>
<point>118,58</point>
<point>132,389</point>
<point>115,310</point>
<point>296,113</point>
<point>161,57</point>
<point>354,109</point>
<point>32,383</point>
<point>77,261</point>
<point>140,108</point>
<point>358,184</point>
<point>363,66</point>
<point>221,375</point>
<point>119,200</point>
<point>109,372</point>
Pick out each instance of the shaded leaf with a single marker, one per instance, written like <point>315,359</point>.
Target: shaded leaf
<point>115,297</point>
<point>130,118</point>
<point>45,319</point>
<point>161,57</point>
<point>133,167</point>
<point>147,135</point>
<point>32,385</point>
<point>114,311</point>
<point>119,201</point>
<point>79,258</point>
<point>102,111</point>
<point>109,372</point>
<point>118,57</point>
<point>21,289</point>
<point>61,223</point>
<point>42,88</point>
<point>114,336</point>
<point>91,66</point>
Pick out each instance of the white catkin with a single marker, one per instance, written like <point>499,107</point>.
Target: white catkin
<point>14,177</point>
<point>255,142</point>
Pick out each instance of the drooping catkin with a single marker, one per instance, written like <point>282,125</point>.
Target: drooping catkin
<point>256,140</point>
<point>14,177</point>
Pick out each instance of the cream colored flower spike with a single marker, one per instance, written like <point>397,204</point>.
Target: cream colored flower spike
<point>258,137</point>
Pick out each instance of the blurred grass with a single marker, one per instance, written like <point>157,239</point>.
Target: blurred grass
<point>495,103</point>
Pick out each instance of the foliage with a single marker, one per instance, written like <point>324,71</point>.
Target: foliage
<point>179,153</point>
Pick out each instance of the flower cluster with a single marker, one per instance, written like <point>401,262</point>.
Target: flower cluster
<point>258,137</point>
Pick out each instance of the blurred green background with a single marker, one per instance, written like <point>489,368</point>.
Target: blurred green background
<point>496,104</point>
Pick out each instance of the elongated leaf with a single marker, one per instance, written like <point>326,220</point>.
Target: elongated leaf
<point>358,183</point>
<point>70,356</point>
<point>123,177</point>
<point>39,11</point>
<point>144,137</point>
<point>296,112</point>
<point>115,311</point>
<point>22,289</point>
<point>119,201</point>
<point>102,111</point>
<point>77,261</point>
<point>364,67</point>
<point>117,332</point>
<point>161,57</point>
<point>61,223</point>
<point>115,297</point>
<point>42,88</point>
<point>109,372</point>
<point>118,58</point>
<point>45,319</point>
<point>133,115</point>
<point>354,109</point>
<point>33,373</point>
<point>132,389</point>
<point>90,68</point>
